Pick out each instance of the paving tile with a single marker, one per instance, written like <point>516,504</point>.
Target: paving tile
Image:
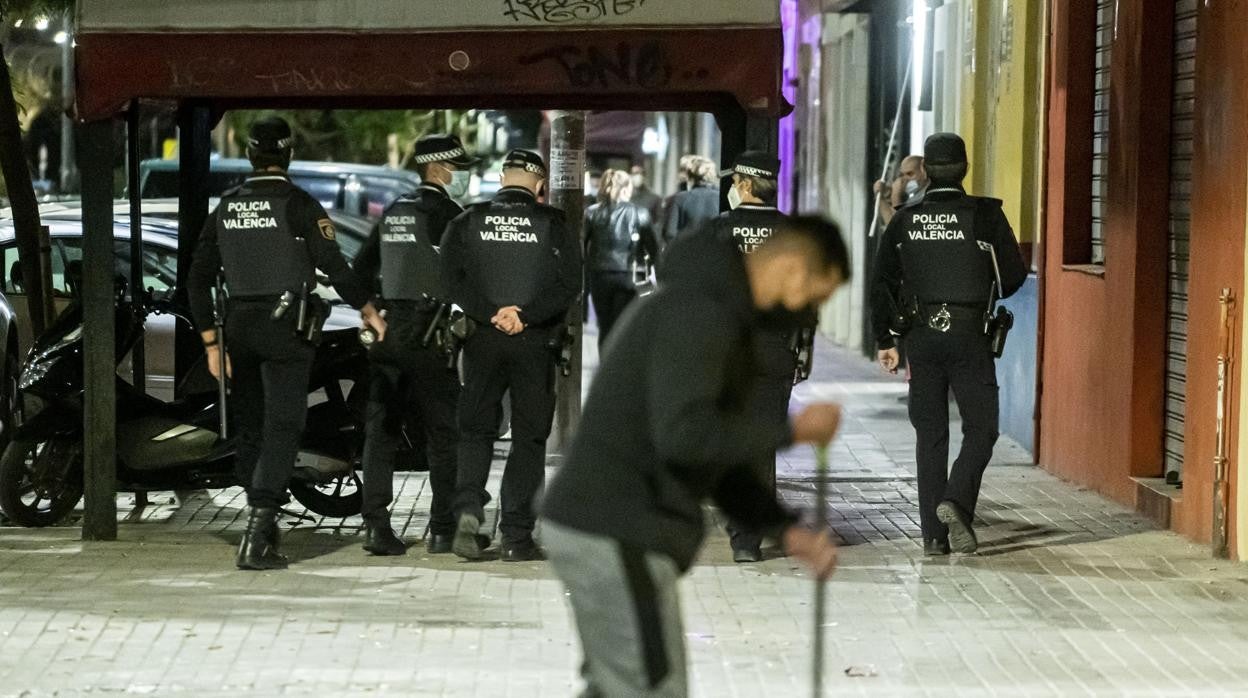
<point>1070,595</point>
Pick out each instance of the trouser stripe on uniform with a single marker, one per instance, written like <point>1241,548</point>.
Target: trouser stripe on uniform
<point>646,606</point>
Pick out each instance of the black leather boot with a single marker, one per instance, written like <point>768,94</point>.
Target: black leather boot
<point>380,539</point>
<point>258,550</point>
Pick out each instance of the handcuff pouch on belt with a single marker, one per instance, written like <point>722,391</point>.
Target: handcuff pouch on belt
<point>310,313</point>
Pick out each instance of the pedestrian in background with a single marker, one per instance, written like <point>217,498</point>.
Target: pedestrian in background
<point>697,204</point>
<point>905,189</point>
<point>619,242</point>
<point>668,424</point>
<point>644,197</point>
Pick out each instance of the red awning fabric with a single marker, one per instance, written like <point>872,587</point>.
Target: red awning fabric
<point>703,69</point>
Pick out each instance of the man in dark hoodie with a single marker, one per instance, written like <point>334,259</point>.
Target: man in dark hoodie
<point>668,424</point>
<point>752,220</point>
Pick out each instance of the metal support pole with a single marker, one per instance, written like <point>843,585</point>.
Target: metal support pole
<point>194,151</point>
<point>100,389</point>
<point>567,192</point>
<point>138,358</point>
<point>68,174</point>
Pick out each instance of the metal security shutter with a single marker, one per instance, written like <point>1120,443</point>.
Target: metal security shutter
<point>1100,127</point>
<point>1181,120</point>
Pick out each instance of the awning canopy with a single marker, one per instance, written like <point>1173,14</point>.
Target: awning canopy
<point>550,54</point>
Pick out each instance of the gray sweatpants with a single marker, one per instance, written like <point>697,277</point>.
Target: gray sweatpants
<point>627,613</point>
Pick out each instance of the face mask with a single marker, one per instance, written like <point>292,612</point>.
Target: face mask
<point>638,181</point>
<point>459,184</point>
<point>912,188</point>
<point>734,197</point>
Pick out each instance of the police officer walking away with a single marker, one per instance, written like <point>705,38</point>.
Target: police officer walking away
<point>400,261</point>
<point>942,265</point>
<point>268,237</point>
<point>751,222</point>
<point>513,267</point>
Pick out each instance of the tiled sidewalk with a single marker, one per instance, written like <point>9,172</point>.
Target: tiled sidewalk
<point>1070,595</point>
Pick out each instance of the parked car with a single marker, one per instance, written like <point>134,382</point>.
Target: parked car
<point>160,258</point>
<point>359,190</point>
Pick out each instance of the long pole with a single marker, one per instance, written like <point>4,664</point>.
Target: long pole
<point>892,141</point>
<point>821,523</point>
<point>567,192</point>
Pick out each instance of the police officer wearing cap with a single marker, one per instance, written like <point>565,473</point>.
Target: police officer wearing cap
<point>514,268</point>
<point>942,265</point>
<point>268,237</point>
<point>753,219</point>
<point>399,262</point>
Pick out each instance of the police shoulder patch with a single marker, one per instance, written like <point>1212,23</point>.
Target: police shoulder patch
<point>327,229</point>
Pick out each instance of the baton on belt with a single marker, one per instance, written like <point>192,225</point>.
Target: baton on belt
<point>821,523</point>
<point>430,331</point>
<point>218,322</point>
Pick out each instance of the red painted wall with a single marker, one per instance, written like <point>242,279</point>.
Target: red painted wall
<point>1220,172</point>
<point>1104,340</point>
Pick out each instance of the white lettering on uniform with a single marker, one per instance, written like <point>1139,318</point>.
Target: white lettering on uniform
<point>249,223</point>
<point>507,220</point>
<point>936,227</point>
<point>935,218</point>
<point>241,206</point>
<point>937,235</point>
<point>494,236</point>
<point>400,220</point>
<point>398,237</point>
<point>751,238</point>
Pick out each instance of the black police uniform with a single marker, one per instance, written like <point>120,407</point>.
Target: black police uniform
<point>618,236</point>
<point>935,270</point>
<point>512,251</point>
<point>400,262</point>
<point>269,237</point>
<point>774,360</point>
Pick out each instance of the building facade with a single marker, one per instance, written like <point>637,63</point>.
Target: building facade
<point>1115,132</point>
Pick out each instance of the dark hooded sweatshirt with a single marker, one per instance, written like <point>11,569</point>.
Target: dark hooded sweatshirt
<point>667,424</point>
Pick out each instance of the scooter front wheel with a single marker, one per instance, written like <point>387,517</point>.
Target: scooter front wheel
<point>336,498</point>
<point>40,480</point>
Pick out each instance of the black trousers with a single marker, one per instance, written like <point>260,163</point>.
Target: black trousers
<point>939,362</point>
<point>405,377</point>
<point>769,400</point>
<point>494,363</point>
<point>611,292</point>
<point>269,398</point>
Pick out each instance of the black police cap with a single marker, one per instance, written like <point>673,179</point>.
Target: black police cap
<point>526,160</point>
<point>442,148</point>
<point>756,163</point>
<point>271,133</point>
<point>944,149</point>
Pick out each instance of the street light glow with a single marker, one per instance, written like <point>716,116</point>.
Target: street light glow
<point>61,37</point>
<point>41,24</point>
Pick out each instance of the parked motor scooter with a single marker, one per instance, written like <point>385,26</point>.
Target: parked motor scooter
<point>164,446</point>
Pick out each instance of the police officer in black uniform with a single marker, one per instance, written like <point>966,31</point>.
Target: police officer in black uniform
<point>399,261</point>
<point>268,237</point>
<point>752,220</point>
<point>942,263</point>
<point>514,268</point>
